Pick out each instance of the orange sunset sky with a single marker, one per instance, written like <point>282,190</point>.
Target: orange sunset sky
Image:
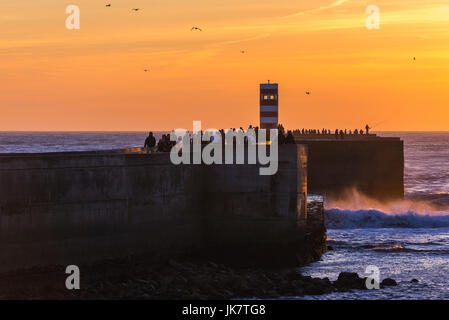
<point>52,78</point>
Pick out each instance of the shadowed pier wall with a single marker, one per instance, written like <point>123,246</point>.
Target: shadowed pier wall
<point>81,207</point>
<point>372,165</point>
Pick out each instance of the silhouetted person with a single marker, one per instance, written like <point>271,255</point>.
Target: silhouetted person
<point>172,143</point>
<point>281,134</point>
<point>164,144</point>
<point>281,127</point>
<point>281,137</point>
<point>367,129</point>
<point>289,139</point>
<point>150,142</point>
<point>160,143</point>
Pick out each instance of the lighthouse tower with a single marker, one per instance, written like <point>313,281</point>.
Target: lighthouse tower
<point>268,106</point>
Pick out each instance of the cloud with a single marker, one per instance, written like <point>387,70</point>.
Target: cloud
<point>335,4</point>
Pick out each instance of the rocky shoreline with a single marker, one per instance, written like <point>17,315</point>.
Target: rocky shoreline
<point>133,278</point>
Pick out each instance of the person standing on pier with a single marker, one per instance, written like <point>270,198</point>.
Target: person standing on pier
<point>367,129</point>
<point>150,142</point>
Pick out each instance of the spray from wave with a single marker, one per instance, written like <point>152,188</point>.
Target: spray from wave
<point>354,210</point>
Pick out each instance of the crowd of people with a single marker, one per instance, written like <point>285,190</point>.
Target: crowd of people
<point>337,132</point>
<point>284,137</point>
<point>165,144</point>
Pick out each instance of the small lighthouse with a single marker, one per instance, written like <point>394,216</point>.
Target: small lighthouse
<point>269,105</point>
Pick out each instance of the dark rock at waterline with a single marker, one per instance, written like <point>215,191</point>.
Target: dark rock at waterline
<point>306,285</point>
<point>414,281</point>
<point>330,248</point>
<point>295,275</point>
<point>350,280</point>
<point>138,278</point>
<point>318,286</point>
<point>388,282</point>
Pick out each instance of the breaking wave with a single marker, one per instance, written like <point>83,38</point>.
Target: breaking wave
<point>347,219</point>
<point>356,211</point>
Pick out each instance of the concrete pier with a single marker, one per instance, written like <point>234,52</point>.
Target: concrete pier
<point>82,207</point>
<point>369,164</point>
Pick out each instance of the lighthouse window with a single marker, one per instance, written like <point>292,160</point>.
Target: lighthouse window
<point>272,98</point>
<point>265,97</point>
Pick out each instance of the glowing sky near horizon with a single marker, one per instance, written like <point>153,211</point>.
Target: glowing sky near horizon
<point>52,78</point>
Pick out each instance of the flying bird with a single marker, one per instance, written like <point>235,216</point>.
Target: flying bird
<point>135,9</point>
<point>242,51</point>
<point>146,70</point>
<point>196,28</point>
<point>308,92</point>
<point>108,5</point>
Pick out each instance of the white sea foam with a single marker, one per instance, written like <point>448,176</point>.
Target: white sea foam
<point>348,219</point>
<point>355,210</point>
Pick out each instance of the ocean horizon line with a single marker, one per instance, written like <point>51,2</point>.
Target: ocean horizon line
<point>139,131</point>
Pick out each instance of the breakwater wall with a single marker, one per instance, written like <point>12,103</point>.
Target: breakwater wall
<point>372,165</point>
<point>82,207</point>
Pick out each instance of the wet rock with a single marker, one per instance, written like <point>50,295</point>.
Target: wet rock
<point>287,289</point>
<point>414,281</point>
<point>349,280</point>
<point>323,285</point>
<point>306,278</point>
<point>298,284</point>
<point>388,282</point>
<point>294,275</point>
<point>330,248</point>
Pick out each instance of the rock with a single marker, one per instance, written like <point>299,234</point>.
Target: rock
<point>228,293</point>
<point>325,283</point>
<point>272,294</point>
<point>173,263</point>
<point>330,248</point>
<point>306,278</point>
<point>414,281</point>
<point>212,265</point>
<point>388,282</point>
<point>287,290</point>
<point>297,284</point>
<point>349,280</point>
<point>313,288</point>
<point>294,275</point>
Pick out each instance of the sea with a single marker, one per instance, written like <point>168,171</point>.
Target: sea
<point>404,240</point>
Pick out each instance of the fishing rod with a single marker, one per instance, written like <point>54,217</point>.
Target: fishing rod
<point>377,124</point>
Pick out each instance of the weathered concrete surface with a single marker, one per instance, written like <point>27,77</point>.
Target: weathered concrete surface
<point>75,208</point>
<point>373,166</point>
